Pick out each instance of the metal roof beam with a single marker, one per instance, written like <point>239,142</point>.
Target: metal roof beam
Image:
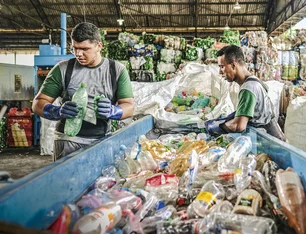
<point>289,13</point>
<point>40,11</point>
<point>153,3</point>
<point>161,15</point>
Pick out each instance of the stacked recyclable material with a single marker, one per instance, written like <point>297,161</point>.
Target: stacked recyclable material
<point>189,183</point>
<point>260,56</point>
<point>169,61</point>
<point>302,73</point>
<point>230,37</point>
<point>250,57</point>
<point>266,60</point>
<point>288,61</point>
<point>3,133</point>
<point>19,127</point>
<point>170,56</point>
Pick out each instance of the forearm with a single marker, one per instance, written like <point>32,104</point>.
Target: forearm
<point>238,124</point>
<point>128,110</point>
<point>38,106</point>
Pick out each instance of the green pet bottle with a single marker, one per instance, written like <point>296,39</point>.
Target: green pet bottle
<point>73,125</point>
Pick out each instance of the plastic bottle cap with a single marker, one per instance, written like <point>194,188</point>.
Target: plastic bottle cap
<point>122,147</point>
<point>159,205</point>
<point>83,85</point>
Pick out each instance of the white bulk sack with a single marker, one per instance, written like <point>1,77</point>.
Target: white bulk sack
<point>295,124</point>
<point>152,98</point>
<point>275,91</point>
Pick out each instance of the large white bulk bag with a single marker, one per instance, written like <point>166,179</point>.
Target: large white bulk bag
<point>295,124</point>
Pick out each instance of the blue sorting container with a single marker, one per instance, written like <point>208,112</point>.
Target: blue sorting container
<point>36,200</point>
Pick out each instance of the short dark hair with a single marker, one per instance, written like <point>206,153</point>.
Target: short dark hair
<point>231,54</point>
<point>86,31</point>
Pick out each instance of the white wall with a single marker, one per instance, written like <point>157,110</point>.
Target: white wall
<point>18,58</point>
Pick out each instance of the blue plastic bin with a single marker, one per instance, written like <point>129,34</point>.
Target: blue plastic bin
<point>36,200</point>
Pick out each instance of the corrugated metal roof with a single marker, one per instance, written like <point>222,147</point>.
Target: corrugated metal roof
<point>163,16</point>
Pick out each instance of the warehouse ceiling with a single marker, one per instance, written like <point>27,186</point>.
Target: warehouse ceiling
<point>24,23</point>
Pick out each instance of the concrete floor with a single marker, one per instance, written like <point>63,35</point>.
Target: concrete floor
<point>20,162</point>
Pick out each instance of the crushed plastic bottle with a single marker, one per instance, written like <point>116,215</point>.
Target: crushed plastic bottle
<point>210,194</point>
<point>259,184</point>
<point>149,223</point>
<point>231,193</point>
<point>73,125</point>
<point>243,175</point>
<point>219,223</point>
<point>212,155</point>
<point>292,198</point>
<point>222,207</point>
<point>224,178</point>
<point>111,171</point>
<point>102,220</point>
<point>248,202</point>
<point>148,207</point>
<point>125,199</point>
<point>131,158</point>
<point>237,150</point>
<point>121,163</point>
<point>171,140</point>
<point>181,227</point>
<point>146,161</point>
<point>103,184</point>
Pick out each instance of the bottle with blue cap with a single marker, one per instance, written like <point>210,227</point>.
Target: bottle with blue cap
<point>121,163</point>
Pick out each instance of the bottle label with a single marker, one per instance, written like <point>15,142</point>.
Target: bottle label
<point>105,219</point>
<point>207,197</point>
<point>246,202</point>
<point>90,116</point>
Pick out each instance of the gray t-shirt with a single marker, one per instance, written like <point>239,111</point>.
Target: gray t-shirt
<point>254,102</point>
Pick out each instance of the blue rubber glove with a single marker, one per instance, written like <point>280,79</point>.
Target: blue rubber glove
<point>67,111</point>
<point>213,126</point>
<point>107,110</point>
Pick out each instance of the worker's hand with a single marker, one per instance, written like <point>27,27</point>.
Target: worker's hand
<point>213,126</point>
<point>106,110</point>
<point>67,111</point>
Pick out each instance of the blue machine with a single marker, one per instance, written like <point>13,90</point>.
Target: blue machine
<point>36,200</point>
<point>49,55</point>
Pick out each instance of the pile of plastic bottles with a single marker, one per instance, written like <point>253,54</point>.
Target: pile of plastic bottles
<point>189,184</point>
<point>192,102</point>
